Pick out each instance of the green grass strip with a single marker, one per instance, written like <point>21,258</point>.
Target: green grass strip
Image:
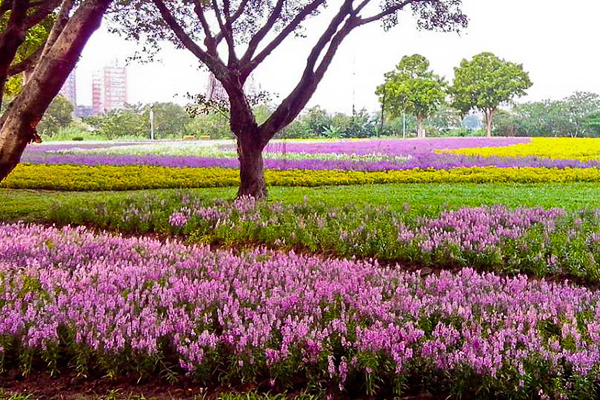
<point>34,205</point>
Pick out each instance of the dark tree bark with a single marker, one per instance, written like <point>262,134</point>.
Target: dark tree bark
<point>252,171</point>
<point>18,124</point>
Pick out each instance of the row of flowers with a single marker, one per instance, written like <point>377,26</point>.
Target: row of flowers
<point>75,177</point>
<point>369,155</point>
<point>310,161</point>
<point>137,305</point>
<point>525,240</point>
<point>585,149</point>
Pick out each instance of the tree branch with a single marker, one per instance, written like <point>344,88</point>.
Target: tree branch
<point>26,64</point>
<point>236,15</point>
<point>262,32</point>
<point>45,9</point>
<point>389,11</point>
<point>209,41</point>
<point>59,25</point>
<point>285,32</point>
<point>291,106</point>
<point>4,7</point>
<point>227,33</point>
<point>213,63</point>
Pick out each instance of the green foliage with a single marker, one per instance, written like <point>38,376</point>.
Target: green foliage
<point>121,123</point>
<point>412,88</point>
<point>445,120</point>
<point>317,122</point>
<point>58,116</point>
<point>35,38</point>
<point>486,82</point>
<point>576,115</point>
<point>593,123</point>
<point>170,120</point>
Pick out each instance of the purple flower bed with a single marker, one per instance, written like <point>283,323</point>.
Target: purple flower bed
<point>431,160</point>
<point>126,304</point>
<point>391,147</point>
<point>420,152</point>
<point>44,148</point>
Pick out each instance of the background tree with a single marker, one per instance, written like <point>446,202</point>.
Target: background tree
<point>128,122</point>
<point>170,120</point>
<point>485,83</point>
<point>58,116</point>
<point>50,65</point>
<point>445,119</point>
<point>593,124</point>
<point>577,109</point>
<point>233,37</point>
<point>414,89</point>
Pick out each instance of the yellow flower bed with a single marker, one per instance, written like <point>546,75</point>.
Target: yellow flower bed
<point>82,178</point>
<point>584,149</point>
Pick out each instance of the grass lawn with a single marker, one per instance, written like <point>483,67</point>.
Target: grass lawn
<point>33,205</point>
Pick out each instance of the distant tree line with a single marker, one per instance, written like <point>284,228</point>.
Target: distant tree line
<point>482,84</point>
<point>414,100</point>
<point>576,116</point>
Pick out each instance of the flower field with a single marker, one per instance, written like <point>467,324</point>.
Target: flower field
<point>130,304</point>
<point>553,148</point>
<point>486,284</point>
<point>129,166</point>
<point>525,240</point>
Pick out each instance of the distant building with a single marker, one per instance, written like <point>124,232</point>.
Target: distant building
<point>109,89</point>
<point>69,89</point>
<point>115,88</point>
<point>84,111</point>
<point>97,90</point>
<point>215,90</point>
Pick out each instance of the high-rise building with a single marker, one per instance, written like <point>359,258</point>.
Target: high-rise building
<point>109,89</point>
<point>69,89</point>
<point>97,90</point>
<point>115,88</point>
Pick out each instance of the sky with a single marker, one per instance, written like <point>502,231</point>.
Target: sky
<point>556,42</point>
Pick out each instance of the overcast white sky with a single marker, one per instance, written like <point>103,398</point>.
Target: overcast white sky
<point>556,41</point>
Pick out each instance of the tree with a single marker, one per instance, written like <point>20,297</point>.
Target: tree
<point>485,83</point>
<point>577,109</point>
<point>414,89</point>
<point>128,122</point>
<point>593,124</point>
<point>445,119</point>
<point>233,37</point>
<point>73,24</point>
<point>27,54</point>
<point>58,115</point>
<point>170,119</point>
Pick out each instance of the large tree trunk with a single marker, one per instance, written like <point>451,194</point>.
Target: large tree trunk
<point>489,114</point>
<point>18,124</point>
<point>252,170</point>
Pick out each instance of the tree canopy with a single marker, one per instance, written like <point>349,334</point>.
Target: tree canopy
<point>58,115</point>
<point>412,88</point>
<point>485,83</point>
<point>44,39</point>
